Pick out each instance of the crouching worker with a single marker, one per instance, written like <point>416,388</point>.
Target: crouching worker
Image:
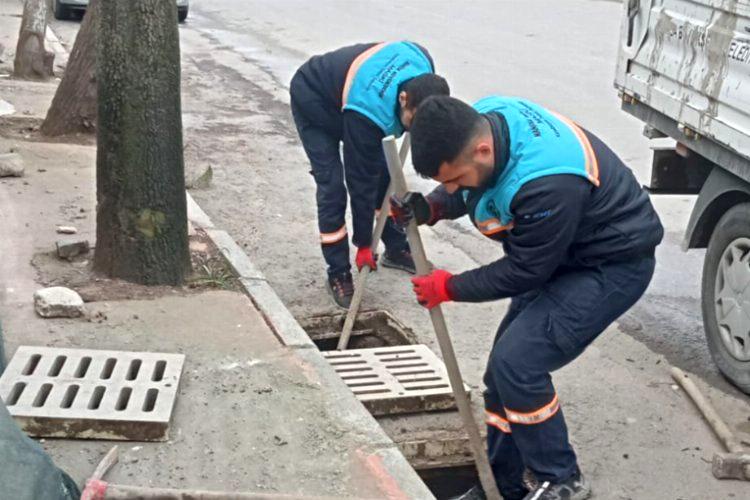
<point>358,95</point>
<point>578,234</point>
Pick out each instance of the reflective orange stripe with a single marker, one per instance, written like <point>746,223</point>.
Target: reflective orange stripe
<point>334,237</point>
<point>535,417</point>
<point>493,226</point>
<point>497,421</point>
<point>592,163</point>
<point>355,67</point>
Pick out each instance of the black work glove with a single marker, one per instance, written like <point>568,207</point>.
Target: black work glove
<point>410,206</point>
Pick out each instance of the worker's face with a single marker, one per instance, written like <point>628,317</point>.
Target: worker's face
<point>407,112</point>
<point>407,116</point>
<point>470,169</point>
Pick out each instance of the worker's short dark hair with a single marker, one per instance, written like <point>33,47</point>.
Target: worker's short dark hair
<point>443,126</point>
<point>421,87</point>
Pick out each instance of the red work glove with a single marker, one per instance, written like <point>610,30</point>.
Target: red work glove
<point>365,258</point>
<point>432,290</point>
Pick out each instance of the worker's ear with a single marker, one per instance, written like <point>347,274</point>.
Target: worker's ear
<point>403,99</point>
<point>483,147</point>
<point>482,150</point>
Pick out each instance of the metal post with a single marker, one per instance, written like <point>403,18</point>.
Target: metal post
<point>398,181</point>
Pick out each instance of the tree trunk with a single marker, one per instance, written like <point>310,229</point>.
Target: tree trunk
<point>73,108</point>
<point>33,61</point>
<point>141,232</point>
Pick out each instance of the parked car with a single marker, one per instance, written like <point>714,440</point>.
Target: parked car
<point>64,9</point>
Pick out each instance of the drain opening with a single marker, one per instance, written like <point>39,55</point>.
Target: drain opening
<point>449,482</point>
<point>123,398</point>
<point>57,366</point>
<point>32,364</point>
<point>371,329</point>
<point>150,402</point>
<point>83,367</point>
<point>15,393</point>
<point>109,367</point>
<point>96,398</point>
<point>135,367</point>
<point>70,395</point>
<point>159,369</point>
<point>42,395</point>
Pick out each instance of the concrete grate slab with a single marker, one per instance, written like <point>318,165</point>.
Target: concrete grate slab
<point>392,380</point>
<point>91,394</point>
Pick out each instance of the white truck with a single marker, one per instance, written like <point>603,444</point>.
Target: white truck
<point>684,69</point>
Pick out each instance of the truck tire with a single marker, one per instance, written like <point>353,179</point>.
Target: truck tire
<point>61,11</point>
<point>725,295</point>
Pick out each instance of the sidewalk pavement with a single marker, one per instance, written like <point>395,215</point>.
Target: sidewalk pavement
<point>252,414</point>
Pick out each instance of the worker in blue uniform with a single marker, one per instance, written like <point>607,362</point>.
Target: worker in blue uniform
<point>579,235</point>
<point>358,95</point>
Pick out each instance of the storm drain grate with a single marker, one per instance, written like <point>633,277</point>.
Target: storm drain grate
<point>398,379</point>
<point>77,393</point>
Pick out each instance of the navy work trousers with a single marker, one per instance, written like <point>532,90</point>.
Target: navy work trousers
<point>320,130</point>
<point>543,331</point>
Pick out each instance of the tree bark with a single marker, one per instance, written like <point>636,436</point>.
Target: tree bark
<point>73,108</point>
<point>32,60</point>
<point>141,232</point>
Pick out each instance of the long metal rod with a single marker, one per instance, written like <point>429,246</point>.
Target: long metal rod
<point>398,181</point>
<point>359,284</point>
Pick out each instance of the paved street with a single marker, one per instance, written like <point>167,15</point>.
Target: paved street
<point>238,58</point>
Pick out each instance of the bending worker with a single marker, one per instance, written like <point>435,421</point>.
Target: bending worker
<point>357,95</point>
<point>578,234</point>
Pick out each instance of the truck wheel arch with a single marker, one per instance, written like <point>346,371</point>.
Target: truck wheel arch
<point>721,191</point>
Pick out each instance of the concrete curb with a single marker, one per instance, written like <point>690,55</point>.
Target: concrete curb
<point>381,448</point>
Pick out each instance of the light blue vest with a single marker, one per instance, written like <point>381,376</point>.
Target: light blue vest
<point>372,83</point>
<point>541,143</point>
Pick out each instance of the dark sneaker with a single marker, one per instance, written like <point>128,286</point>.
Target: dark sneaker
<point>575,488</point>
<point>341,288</point>
<point>399,260</point>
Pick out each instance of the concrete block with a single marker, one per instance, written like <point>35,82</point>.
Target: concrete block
<point>68,249</point>
<point>11,165</point>
<point>88,394</point>
<point>58,302</point>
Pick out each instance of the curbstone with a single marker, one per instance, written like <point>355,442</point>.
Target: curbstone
<point>196,215</point>
<point>284,325</point>
<point>235,256</point>
<point>58,302</point>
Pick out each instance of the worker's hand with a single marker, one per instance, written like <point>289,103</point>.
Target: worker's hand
<point>365,258</point>
<point>410,206</point>
<point>432,290</point>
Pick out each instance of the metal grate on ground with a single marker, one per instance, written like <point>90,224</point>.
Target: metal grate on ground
<point>90,394</point>
<point>391,380</point>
